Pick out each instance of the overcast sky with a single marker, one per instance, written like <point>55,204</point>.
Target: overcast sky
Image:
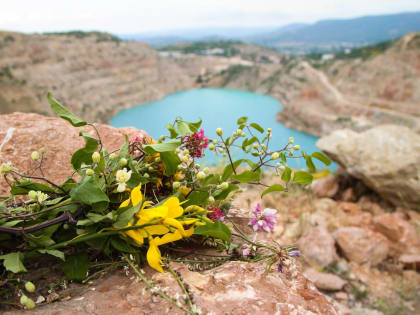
<point>138,16</point>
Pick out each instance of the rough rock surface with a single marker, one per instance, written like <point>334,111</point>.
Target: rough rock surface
<point>319,246</point>
<point>325,281</point>
<point>362,245</point>
<point>21,134</point>
<point>325,187</point>
<point>233,288</point>
<point>386,158</point>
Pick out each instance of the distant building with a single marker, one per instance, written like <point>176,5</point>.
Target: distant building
<point>326,57</point>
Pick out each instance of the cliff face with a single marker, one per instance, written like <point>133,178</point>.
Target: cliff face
<point>96,75</point>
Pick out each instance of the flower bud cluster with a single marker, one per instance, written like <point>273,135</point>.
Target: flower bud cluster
<point>37,196</point>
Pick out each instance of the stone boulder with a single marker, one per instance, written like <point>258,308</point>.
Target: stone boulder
<point>233,288</point>
<point>326,187</point>
<point>325,281</point>
<point>386,158</point>
<point>318,245</point>
<point>21,134</point>
<point>362,245</point>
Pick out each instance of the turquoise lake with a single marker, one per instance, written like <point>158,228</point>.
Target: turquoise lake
<point>217,108</point>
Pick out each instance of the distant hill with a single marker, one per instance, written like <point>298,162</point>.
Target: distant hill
<point>330,35</point>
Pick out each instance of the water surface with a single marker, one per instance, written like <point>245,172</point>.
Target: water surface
<point>217,108</point>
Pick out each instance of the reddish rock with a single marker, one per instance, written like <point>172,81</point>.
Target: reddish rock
<point>234,288</point>
<point>349,208</point>
<point>325,281</point>
<point>410,261</point>
<point>21,134</point>
<point>325,187</point>
<point>318,245</point>
<point>362,245</point>
<point>348,195</point>
<point>402,234</point>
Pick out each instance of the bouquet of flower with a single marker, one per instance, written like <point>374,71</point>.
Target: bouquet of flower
<point>144,195</point>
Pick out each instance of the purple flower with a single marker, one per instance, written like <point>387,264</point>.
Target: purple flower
<point>265,220</point>
<point>294,253</point>
<point>245,250</point>
<point>280,268</point>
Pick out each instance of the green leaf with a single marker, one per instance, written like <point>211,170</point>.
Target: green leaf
<point>216,230</point>
<point>309,164</point>
<point>171,145</point>
<point>287,174</point>
<point>242,120</point>
<point>68,184</point>
<point>53,252</point>
<point>224,193</point>
<point>228,171</point>
<point>172,130</point>
<point>88,192</point>
<point>321,157</point>
<point>302,178</point>
<point>257,127</point>
<point>272,188</point>
<point>76,267</point>
<point>247,176</point>
<point>170,161</point>
<point>91,143</point>
<point>125,216</point>
<point>194,126</point>
<point>64,113</point>
<point>122,245</point>
<point>42,240</point>
<point>13,262</point>
<point>24,187</point>
<point>197,198</point>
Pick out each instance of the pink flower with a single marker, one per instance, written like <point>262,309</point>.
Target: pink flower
<point>245,250</point>
<point>264,220</point>
<point>216,214</point>
<point>196,143</point>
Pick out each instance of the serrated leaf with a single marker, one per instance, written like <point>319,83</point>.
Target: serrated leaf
<point>13,262</point>
<point>272,188</point>
<point>216,230</point>
<point>76,267</point>
<point>309,164</point>
<point>64,113</point>
<point>257,127</point>
<point>287,174</point>
<point>302,178</point>
<point>321,157</point>
<point>53,252</point>
<point>242,120</point>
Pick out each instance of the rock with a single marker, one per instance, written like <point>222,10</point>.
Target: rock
<point>362,245</point>
<point>341,296</point>
<point>325,281</point>
<point>319,246</point>
<point>410,261</point>
<point>365,311</point>
<point>21,134</point>
<point>402,234</point>
<point>386,158</point>
<point>348,195</point>
<point>325,187</point>
<point>233,288</point>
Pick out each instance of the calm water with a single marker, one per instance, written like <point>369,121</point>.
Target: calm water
<point>217,108</point>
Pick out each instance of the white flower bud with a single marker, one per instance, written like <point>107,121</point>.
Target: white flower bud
<point>121,187</point>
<point>201,175</point>
<point>211,146</point>
<point>282,168</point>
<point>211,199</point>
<point>123,162</point>
<point>219,131</point>
<point>268,130</point>
<point>112,156</point>
<point>197,166</point>
<point>41,197</point>
<point>89,172</point>
<point>42,150</point>
<point>33,195</point>
<point>275,156</point>
<point>96,157</point>
<point>206,170</point>
<point>30,304</point>
<point>224,185</point>
<point>150,169</point>
<point>23,299</point>
<point>185,159</point>
<point>290,153</point>
<point>6,168</point>
<point>177,150</point>
<point>255,146</point>
<point>186,151</point>
<point>30,287</point>
<point>35,155</point>
<point>291,139</point>
<point>296,147</point>
<point>146,175</point>
<point>176,185</point>
<point>243,134</point>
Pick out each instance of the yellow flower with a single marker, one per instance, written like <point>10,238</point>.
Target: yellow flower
<point>184,190</point>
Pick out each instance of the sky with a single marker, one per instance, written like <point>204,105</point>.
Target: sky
<point>140,16</point>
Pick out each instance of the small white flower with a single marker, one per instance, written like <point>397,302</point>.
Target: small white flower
<point>123,176</point>
<point>6,168</point>
<point>41,197</point>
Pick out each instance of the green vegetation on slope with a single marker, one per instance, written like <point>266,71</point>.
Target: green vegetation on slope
<point>100,36</point>
<point>200,48</point>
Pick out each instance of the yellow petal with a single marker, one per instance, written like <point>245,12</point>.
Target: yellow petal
<point>188,221</point>
<point>176,224</point>
<point>153,257</point>
<point>125,203</point>
<point>136,196</point>
<point>168,237</point>
<point>136,235</point>
<point>147,215</point>
<point>189,232</point>
<point>156,229</point>
<point>174,208</point>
